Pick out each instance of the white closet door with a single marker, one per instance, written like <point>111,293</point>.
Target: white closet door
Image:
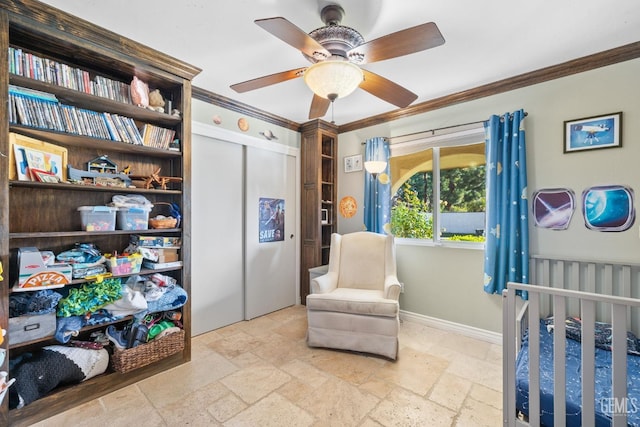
<point>217,205</point>
<point>270,266</point>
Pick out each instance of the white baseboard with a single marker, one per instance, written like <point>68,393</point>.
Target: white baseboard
<point>459,328</point>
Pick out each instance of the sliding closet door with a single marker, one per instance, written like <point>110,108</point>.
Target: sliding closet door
<point>217,226</point>
<point>271,209</point>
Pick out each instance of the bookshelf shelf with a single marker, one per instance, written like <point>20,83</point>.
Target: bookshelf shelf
<point>84,100</point>
<point>49,340</point>
<point>92,188</point>
<point>89,234</point>
<point>69,140</point>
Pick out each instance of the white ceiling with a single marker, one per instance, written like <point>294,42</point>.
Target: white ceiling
<point>485,41</point>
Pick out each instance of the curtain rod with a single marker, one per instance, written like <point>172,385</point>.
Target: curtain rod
<point>443,128</point>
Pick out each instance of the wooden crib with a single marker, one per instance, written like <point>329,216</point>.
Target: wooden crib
<point>577,383</point>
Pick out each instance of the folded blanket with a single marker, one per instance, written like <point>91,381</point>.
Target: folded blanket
<point>30,303</point>
<point>90,297</point>
<point>173,297</point>
<point>67,327</point>
<point>130,302</point>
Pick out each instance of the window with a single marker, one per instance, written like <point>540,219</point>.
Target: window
<point>447,167</point>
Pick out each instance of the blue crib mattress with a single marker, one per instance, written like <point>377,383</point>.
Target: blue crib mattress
<point>573,383</point>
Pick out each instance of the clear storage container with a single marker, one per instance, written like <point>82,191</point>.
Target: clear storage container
<point>98,218</point>
<point>132,218</point>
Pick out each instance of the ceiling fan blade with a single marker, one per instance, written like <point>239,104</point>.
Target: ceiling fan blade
<point>294,36</point>
<point>385,89</point>
<point>267,80</point>
<point>404,42</point>
<point>319,107</point>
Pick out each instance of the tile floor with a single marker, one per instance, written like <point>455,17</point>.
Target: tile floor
<point>261,373</point>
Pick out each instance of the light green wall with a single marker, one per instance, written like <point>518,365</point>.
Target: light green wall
<point>204,112</point>
<point>446,283</point>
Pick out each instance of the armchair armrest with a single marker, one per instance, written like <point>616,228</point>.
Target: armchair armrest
<point>325,283</point>
<point>392,287</point>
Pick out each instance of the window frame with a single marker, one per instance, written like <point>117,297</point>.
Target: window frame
<point>454,136</point>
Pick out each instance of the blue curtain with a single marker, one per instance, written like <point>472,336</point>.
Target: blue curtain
<point>507,230</point>
<point>377,198</point>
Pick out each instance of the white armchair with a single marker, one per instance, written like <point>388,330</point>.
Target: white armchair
<point>355,305</point>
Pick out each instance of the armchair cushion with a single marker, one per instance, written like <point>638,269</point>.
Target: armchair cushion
<point>354,301</point>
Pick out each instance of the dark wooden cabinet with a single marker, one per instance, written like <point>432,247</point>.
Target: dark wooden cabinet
<point>44,215</point>
<point>318,210</point>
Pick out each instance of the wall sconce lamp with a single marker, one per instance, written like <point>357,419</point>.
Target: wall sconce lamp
<point>375,167</point>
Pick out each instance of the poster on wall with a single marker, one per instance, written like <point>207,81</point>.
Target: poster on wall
<point>608,208</point>
<point>271,220</point>
<point>593,133</point>
<point>553,208</point>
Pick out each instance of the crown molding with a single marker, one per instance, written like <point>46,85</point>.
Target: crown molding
<point>245,109</point>
<point>585,63</point>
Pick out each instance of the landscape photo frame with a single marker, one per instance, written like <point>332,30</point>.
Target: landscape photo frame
<point>592,133</point>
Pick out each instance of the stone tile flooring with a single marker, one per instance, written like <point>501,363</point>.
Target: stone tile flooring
<point>261,373</point>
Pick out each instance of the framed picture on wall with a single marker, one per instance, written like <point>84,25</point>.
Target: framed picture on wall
<point>592,133</point>
<point>353,163</point>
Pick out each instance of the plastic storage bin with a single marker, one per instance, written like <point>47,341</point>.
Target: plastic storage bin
<point>31,327</point>
<point>98,218</point>
<point>126,264</point>
<point>132,218</point>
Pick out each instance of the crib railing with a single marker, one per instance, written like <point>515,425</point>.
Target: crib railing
<point>559,298</point>
<point>595,276</point>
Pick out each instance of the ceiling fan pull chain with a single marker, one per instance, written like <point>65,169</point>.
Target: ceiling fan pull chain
<point>332,121</point>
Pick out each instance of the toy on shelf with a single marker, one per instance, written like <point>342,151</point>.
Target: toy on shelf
<point>156,102</point>
<point>154,180</point>
<point>139,92</point>
<point>101,179</point>
<point>38,270</point>
<point>102,164</point>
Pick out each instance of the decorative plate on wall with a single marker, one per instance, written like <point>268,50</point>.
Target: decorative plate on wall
<point>243,124</point>
<point>348,207</point>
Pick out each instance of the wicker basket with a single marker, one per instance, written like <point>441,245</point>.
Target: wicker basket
<point>129,359</point>
<point>165,222</point>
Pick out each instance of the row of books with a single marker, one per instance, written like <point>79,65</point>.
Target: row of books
<point>157,137</point>
<point>42,110</point>
<point>46,70</point>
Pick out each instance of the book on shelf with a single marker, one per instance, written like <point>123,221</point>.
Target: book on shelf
<point>42,110</point>
<point>26,64</point>
<point>32,93</point>
<point>156,136</point>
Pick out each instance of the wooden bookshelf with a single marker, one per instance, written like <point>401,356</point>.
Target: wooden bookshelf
<point>319,151</point>
<point>44,215</point>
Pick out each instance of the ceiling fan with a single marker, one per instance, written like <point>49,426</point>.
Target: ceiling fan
<point>338,49</point>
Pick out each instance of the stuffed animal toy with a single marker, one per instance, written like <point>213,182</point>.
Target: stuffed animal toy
<point>139,92</point>
<point>156,102</point>
<point>38,373</point>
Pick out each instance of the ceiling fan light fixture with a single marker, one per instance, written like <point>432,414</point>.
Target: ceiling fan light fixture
<point>333,79</point>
